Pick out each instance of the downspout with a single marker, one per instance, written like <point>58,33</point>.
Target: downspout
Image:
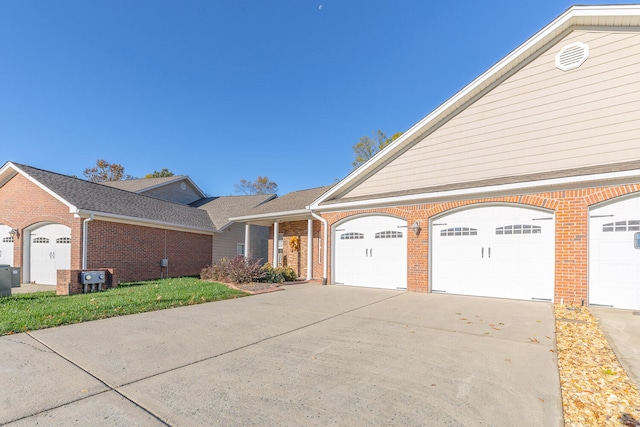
<point>85,228</point>
<point>325,249</point>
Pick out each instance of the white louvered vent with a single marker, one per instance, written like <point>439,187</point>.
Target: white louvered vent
<point>572,56</point>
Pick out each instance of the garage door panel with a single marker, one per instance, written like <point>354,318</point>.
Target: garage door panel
<point>50,250</point>
<point>614,259</point>
<point>512,255</point>
<point>378,258</point>
<point>6,245</point>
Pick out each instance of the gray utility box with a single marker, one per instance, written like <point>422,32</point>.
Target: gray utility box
<point>92,280</point>
<point>15,277</point>
<point>5,280</point>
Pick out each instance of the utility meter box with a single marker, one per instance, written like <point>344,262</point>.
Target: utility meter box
<point>5,281</point>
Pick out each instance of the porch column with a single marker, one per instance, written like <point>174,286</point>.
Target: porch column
<point>275,244</point>
<point>247,240</point>
<point>309,249</point>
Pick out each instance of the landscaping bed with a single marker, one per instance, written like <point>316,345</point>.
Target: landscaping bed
<point>596,391</point>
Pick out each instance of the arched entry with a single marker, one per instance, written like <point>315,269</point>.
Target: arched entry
<point>371,251</point>
<point>49,251</point>
<point>6,245</point>
<point>614,254</point>
<point>495,251</point>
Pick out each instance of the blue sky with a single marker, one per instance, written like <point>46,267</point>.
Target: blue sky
<point>222,90</point>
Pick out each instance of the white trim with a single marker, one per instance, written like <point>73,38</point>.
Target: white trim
<point>530,185</point>
<point>11,165</point>
<point>576,16</point>
<point>81,213</point>
<point>271,215</point>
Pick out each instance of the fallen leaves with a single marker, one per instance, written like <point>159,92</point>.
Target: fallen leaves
<point>595,389</point>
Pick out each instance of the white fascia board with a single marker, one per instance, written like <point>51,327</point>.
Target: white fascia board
<point>486,190</point>
<point>518,55</point>
<point>71,207</point>
<point>271,215</point>
<point>109,217</point>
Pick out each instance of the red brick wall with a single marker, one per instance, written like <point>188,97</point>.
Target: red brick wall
<point>571,208</point>
<point>135,251</point>
<point>23,204</point>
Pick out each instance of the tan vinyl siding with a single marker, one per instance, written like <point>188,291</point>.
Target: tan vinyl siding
<point>540,119</point>
<point>173,193</point>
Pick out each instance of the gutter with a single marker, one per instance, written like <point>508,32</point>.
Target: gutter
<point>85,228</point>
<point>325,250</point>
<point>138,221</point>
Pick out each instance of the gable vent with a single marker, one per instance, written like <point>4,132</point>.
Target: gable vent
<point>572,56</point>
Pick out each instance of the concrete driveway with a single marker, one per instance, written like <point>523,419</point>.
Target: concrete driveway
<point>622,329</point>
<point>309,355</point>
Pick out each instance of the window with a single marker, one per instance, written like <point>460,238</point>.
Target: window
<point>240,249</point>
<point>351,236</point>
<point>63,240</point>
<point>389,235</point>
<point>636,240</point>
<point>630,225</point>
<point>459,231</point>
<point>40,240</point>
<point>7,240</point>
<point>519,229</point>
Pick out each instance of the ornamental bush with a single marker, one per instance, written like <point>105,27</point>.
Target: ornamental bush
<point>278,275</point>
<point>234,270</point>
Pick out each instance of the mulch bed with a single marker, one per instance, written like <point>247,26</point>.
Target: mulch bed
<point>596,391</point>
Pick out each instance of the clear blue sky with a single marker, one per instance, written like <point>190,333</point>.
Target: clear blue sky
<point>222,90</point>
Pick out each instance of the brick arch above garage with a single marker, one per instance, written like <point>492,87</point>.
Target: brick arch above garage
<point>571,209</point>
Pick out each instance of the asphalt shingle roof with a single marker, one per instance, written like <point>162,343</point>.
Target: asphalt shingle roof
<point>95,197</point>
<point>220,209</point>
<point>296,200</point>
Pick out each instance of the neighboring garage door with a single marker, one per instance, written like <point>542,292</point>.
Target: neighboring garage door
<point>614,254</point>
<point>50,250</point>
<point>495,251</point>
<point>6,245</point>
<point>371,251</point>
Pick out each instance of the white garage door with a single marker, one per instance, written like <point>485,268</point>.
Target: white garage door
<point>50,250</point>
<point>371,251</point>
<point>495,251</point>
<point>614,255</point>
<point>6,245</point>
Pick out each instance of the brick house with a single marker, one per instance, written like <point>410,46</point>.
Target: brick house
<point>525,184</point>
<point>51,222</point>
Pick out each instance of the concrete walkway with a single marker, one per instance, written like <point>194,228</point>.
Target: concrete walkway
<point>311,355</point>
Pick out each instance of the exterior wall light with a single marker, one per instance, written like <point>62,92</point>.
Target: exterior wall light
<point>14,233</point>
<point>416,227</point>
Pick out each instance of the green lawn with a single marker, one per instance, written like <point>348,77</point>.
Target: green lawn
<point>28,312</point>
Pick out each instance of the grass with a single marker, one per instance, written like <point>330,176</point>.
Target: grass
<point>28,312</point>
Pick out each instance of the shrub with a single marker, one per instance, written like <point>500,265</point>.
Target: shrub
<point>234,270</point>
<point>277,275</point>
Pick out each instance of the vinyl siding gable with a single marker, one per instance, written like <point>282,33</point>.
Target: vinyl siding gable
<point>538,120</point>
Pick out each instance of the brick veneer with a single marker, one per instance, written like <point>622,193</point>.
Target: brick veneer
<point>571,208</point>
<point>135,251</point>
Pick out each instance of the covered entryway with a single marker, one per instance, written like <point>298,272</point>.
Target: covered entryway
<point>614,254</point>
<point>495,251</point>
<point>50,251</point>
<point>371,251</point>
<point>6,245</point>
